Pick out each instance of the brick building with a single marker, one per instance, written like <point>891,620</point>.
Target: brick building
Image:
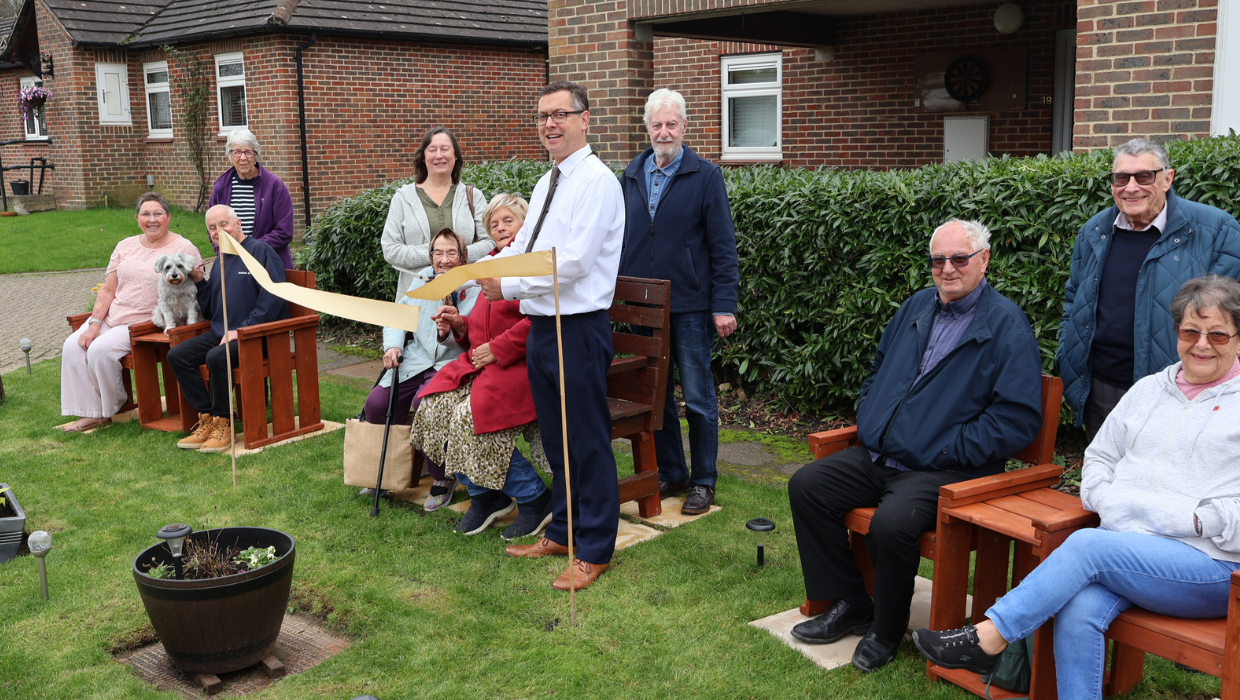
<point>375,77</point>
<point>861,83</point>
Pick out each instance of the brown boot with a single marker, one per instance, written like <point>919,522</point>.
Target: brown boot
<point>221,433</point>
<point>200,434</point>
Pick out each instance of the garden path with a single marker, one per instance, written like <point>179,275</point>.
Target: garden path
<point>34,305</point>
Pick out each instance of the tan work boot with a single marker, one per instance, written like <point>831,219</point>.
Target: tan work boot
<point>201,433</point>
<point>221,433</point>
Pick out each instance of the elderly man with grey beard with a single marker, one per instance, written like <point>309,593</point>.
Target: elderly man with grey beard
<point>1127,263</point>
<point>686,238</point>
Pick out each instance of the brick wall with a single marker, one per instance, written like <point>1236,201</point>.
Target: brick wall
<point>1144,68</point>
<point>857,110</point>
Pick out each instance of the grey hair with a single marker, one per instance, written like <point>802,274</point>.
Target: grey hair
<point>1140,146</point>
<point>975,231</point>
<point>231,212</point>
<point>662,99</point>
<point>512,202</point>
<point>246,139</point>
<point>1205,292</point>
<point>152,197</point>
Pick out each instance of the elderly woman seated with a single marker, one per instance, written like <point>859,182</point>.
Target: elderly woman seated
<point>477,406</point>
<point>1161,475</point>
<point>422,355</point>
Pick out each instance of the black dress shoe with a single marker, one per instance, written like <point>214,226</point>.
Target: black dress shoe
<point>836,623</point>
<point>698,501</point>
<point>872,652</point>
<point>672,488</point>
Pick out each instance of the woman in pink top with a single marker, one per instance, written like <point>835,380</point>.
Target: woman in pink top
<point>90,361</point>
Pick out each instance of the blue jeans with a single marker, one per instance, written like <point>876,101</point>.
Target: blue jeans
<point>693,333</point>
<point>521,485</point>
<point>1092,578</point>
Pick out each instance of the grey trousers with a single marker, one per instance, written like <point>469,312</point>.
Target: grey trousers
<point>1098,405</point>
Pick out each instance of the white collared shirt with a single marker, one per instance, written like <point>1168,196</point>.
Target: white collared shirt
<point>1121,221</point>
<point>585,225</point>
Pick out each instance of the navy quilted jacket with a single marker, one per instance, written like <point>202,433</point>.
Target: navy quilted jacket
<point>1200,239</point>
<point>979,405</point>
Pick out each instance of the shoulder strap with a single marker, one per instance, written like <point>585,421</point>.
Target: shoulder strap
<point>469,196</point>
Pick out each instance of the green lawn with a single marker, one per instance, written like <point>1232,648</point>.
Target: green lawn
<point>431,613</point>
<point>72,240</point>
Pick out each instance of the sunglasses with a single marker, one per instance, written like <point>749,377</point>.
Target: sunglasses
<point>1190,335</point>
<point>958,261</point>
<point>1144,177</point>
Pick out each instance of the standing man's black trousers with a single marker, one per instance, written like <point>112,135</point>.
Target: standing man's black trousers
<point>906,502</point>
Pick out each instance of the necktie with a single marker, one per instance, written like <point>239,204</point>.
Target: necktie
<point>555,180</point>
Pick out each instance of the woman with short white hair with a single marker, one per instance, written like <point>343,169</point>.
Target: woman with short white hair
<point>261,199</point>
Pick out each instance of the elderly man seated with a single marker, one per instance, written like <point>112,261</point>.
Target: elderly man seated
<point>953,391</point>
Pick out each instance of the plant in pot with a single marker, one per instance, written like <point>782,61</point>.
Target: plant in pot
<point>12,524</point>
<point>31,100</point>
<point>216,598</point>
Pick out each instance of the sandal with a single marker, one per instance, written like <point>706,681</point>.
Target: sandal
<point>79,427</point>
<point>442,491</point>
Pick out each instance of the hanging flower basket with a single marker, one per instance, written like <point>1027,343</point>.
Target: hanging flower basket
<point>31,99</point>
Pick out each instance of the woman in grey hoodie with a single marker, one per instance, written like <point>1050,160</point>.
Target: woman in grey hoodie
<point>1161,475</point>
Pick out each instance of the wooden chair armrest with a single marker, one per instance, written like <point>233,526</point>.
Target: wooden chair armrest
<point>282,326</point>
<point>831,441</point>
<point>180,334</point>
<point>984,488</point>
<point>76,321</point>
<point>143,328</point>
<point>1235,579</point>
<point>1070,519</point>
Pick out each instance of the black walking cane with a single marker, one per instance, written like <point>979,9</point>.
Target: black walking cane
<point>387,429</point>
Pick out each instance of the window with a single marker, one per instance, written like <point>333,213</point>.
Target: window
<point>112,83</point>
<point>230,89</point>
<point>1225,112</point>
<point>752,106</point>
<point>36,125</point>
<point>158,100</point>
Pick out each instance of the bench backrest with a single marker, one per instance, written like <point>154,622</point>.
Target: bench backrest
<point>1042,449</point>
<point>301,278</point>
<point>639,371</point>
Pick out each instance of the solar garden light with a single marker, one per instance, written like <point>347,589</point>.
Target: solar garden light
<point>760,527</point>
<point>175,536</point>
<point>40,543</point>
<point>365,697</point>
<point>26,347</point>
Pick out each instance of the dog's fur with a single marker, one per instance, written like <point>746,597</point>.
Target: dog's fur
<point>178,296</point>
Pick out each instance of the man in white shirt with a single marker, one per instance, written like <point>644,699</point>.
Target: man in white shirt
<point>580,214</point>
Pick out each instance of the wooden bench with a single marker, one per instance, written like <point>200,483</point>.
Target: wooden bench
<point>637,382</point>
<point>76,321</point>
<point>1040,451</point>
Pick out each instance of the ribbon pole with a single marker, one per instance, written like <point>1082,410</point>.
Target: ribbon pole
<point>232,434</point>
<point>568,486</point>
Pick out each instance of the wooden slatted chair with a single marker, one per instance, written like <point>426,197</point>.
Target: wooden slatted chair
<point>1039,452</point>
<point>637,382</point>
<point>267,360</point>
<point>76,321</point>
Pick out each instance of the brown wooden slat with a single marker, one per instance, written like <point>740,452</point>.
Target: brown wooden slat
<point>638,485</point>
<point>1017,504</point>
<point>832,436</point>
<point>628,426</point>
<point>627,363</point>
<point>307,362</point>
<point>634,393</point>
<point>971,682</point>
<point>1209,635</point>
<point>649,317</point>
<point>987,487</point>
<point>1051,497</point>
<point>280,373</point>
<point>642,290</point>
<point>996,519</point>
<point>623,409</point>
<point>647,377</point>
<point>629,344</point>
<point>253,391</point>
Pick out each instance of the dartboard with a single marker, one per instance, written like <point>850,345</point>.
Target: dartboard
<point>966,78</point>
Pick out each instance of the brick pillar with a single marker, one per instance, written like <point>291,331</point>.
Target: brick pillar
<point>1143,69</point>
<point>594,44</point>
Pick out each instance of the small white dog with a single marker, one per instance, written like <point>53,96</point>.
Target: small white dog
<point>178,296</point>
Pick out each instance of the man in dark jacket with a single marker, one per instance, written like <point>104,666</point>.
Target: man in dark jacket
<point>1127,264</point>
<point>954,390</point>
<point>248,305</point>
<point>686,237</point>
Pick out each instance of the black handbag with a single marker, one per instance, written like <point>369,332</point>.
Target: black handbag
<point>1015,669</point>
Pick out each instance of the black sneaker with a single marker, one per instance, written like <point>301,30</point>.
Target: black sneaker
<point>839,621</point>
<point>529,522</point>
<point>480,515</point>
<point>955,649</point>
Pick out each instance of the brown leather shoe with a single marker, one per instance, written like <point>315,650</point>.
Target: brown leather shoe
<point>542,548</point>
<point>583,573</point>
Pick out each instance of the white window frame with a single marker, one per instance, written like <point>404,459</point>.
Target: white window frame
<point>1225,107</point>
<point>154,88</point>
<point>125,118</point>
<point>751,62</point>
<point>40,132</point>
<point>230,81</point>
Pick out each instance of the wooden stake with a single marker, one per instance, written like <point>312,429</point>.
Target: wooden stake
<point>232,433</point>
<point>568,487</point>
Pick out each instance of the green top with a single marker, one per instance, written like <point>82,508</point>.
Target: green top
<point>438,215</point>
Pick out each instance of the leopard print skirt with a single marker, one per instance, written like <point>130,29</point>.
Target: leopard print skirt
<point>443,429</point>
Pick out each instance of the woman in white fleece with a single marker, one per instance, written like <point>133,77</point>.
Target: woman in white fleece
<point>1162,476</point>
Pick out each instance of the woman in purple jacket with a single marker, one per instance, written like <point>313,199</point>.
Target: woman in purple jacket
<point>261,199</point>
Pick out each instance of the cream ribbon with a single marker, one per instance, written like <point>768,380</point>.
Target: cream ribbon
<point>524,265</point>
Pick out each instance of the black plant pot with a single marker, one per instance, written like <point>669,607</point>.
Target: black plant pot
<point>221,624</point>
<point>20,187</point>
<point>11,527</point>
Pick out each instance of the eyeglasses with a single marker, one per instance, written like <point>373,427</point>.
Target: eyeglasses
<point>153,214</point>
<point>958,261</point>
<point>557,117</point>
<point>238,153</point>
<point>445,254</point>
<point>1190,335</point>
<point>1144,177</point>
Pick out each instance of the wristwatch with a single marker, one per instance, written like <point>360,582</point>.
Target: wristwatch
<point>92,319</point>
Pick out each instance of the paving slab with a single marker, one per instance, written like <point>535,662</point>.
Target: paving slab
<point>34,305</point>
<point>670,517</point>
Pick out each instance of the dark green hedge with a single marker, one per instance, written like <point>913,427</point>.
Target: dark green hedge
<point>828,256</point>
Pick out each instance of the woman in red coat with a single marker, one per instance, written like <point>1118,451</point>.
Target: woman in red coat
<point>477,406</point>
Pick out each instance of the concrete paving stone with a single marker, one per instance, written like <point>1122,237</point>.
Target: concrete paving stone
<point>34,306</point>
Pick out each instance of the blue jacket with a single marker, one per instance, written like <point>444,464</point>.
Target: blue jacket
<point>978,406</point>
<point>691,240</point>
<point>248,303</point>
<point>1199,240</point>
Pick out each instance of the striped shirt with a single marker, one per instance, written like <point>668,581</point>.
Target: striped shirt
<point>243,202</point>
